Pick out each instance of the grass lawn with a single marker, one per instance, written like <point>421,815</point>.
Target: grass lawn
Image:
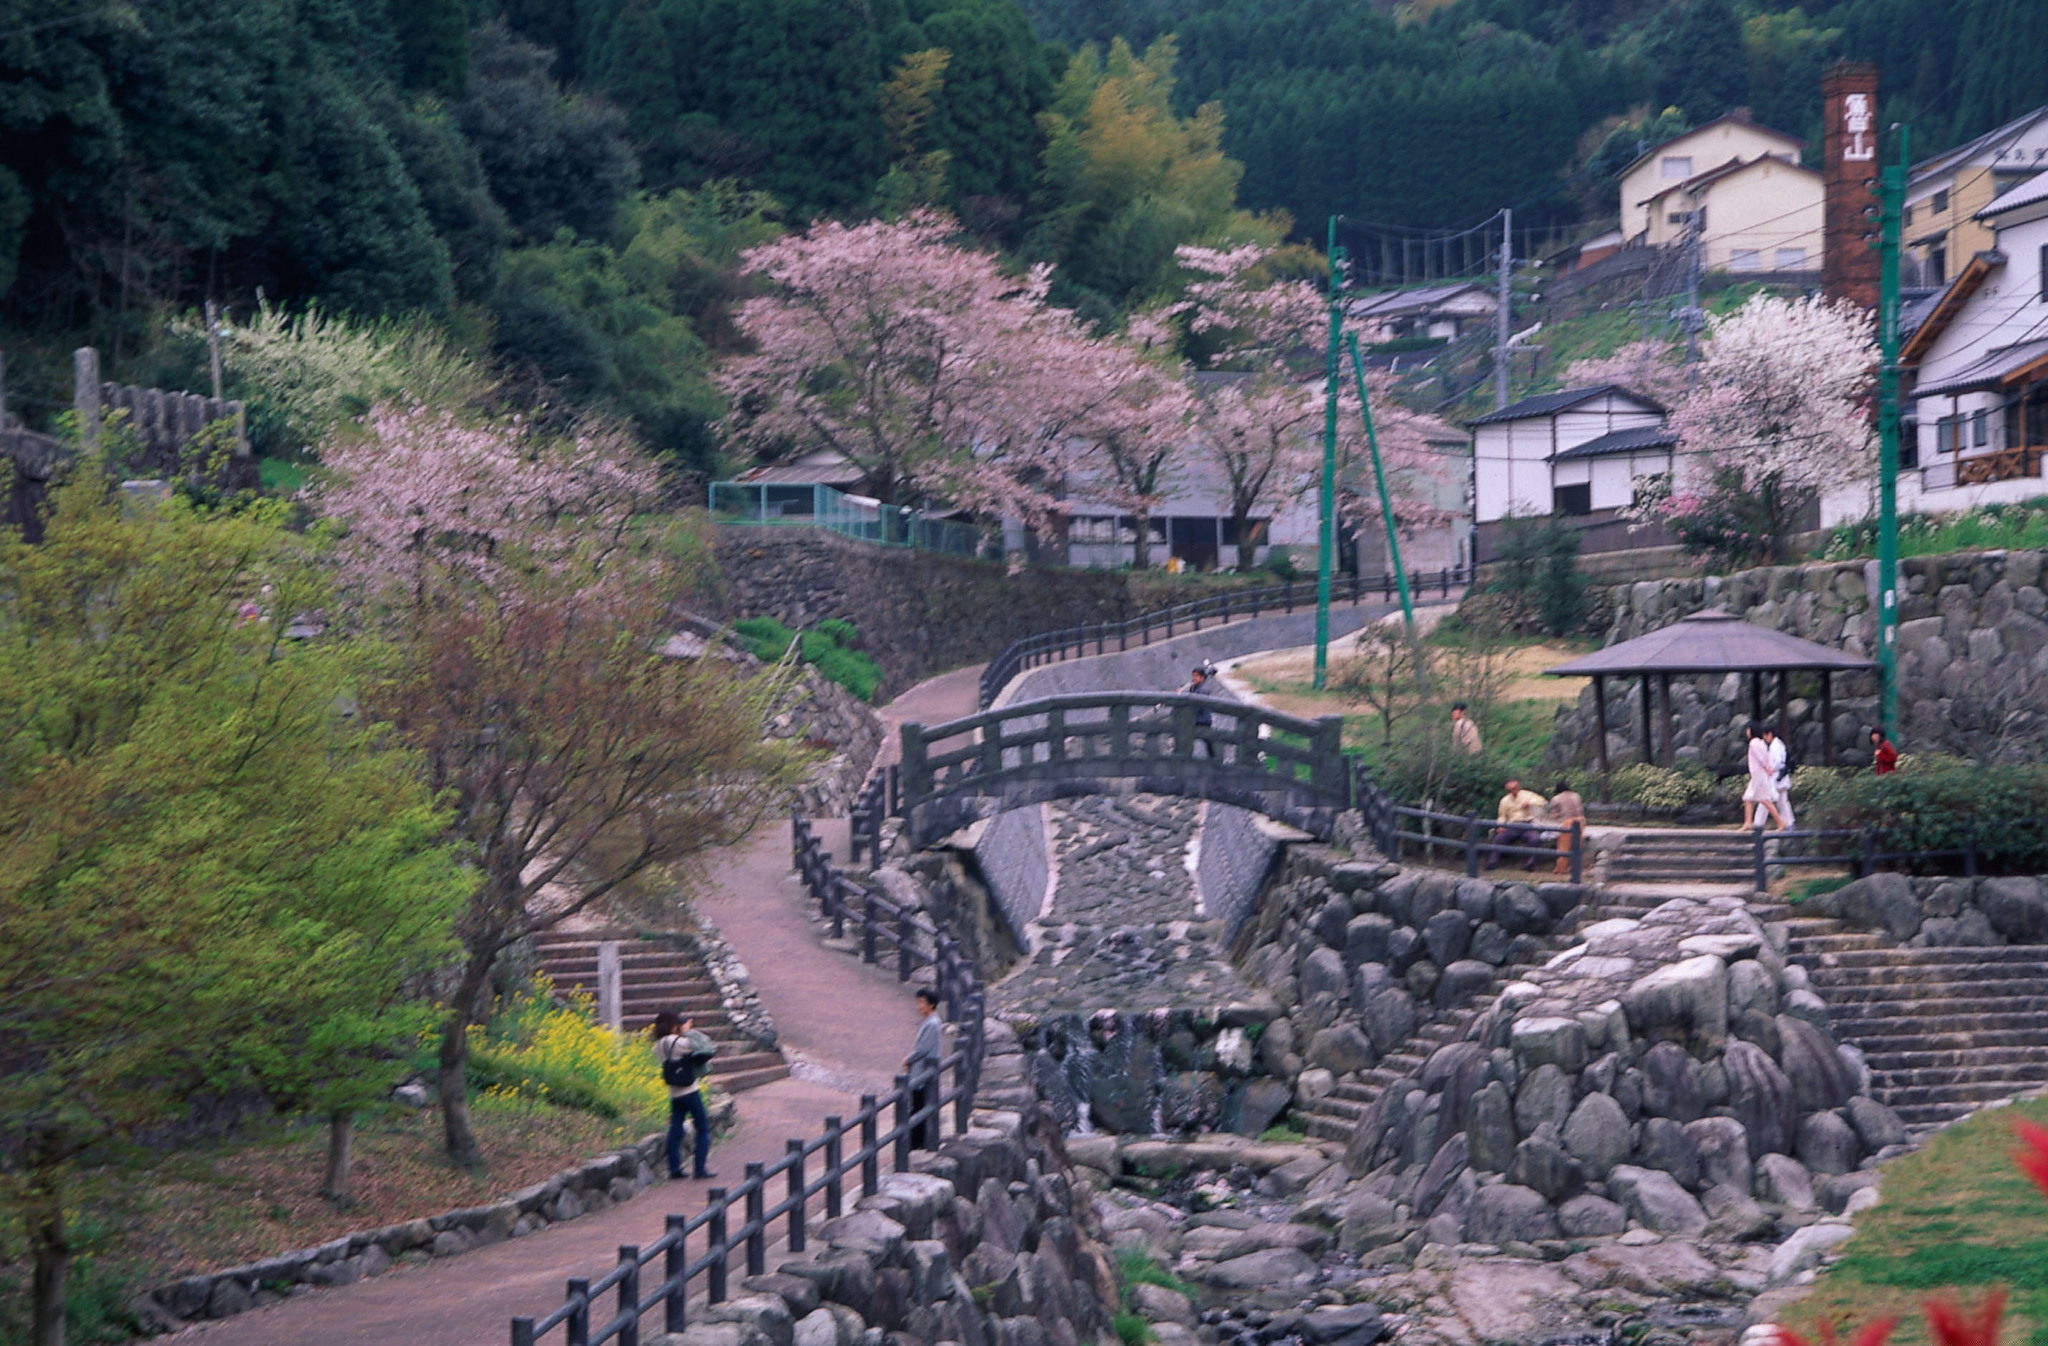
<point>229,1202</point>
<point>1956,1216</point>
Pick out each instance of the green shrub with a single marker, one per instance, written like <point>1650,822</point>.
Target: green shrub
<point>1132,1329</point>
<point>765,638</point>
<point>1135,1266</point>
<point>1538,574</point>
<point>1280,564</point>
<point>827,647</point>
<point>1936,803</point>
<point>1661,787</point>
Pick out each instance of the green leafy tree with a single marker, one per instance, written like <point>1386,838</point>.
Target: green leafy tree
<point>433,44</point>
<point>203,861</point>
<point>1702,63</point>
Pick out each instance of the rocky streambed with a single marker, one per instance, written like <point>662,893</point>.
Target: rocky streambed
<point>1274,1242</point>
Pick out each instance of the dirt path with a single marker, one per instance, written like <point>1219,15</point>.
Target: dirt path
<point>845,1026</point>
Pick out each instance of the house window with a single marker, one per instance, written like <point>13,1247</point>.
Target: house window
<point>1745,259</point>
<point>1909,442</point>
<point>1939,205</point>
<point>1948,434</point>
<point>1675,217</point>
<point>2044,271</point>
<point>1980,428</point>
<point>1677,167</point>
<point>1791,259</point>
<point>1572,499</point>
<point>1908,220</point>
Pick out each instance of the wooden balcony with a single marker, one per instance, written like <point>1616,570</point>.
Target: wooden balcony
<point>2005,465</point>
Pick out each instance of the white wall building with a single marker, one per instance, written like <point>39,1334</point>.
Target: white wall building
<point>1980,361</point>
<point>1577,454</point>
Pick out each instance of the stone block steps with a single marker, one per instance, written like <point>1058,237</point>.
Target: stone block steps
<point>1943,1030</point>
<point>653,978</point>
<point>1337,1114</point>
<point>1679,855</point>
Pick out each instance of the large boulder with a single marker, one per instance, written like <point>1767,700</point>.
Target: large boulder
<point>1598,1134</point>
<point>1783,1179</point>
<point>1451,1159</point>
<point>1671,1083</point>
<point>1751,986</point>
<point>1762,1099</point>
<point>1365,939</point>
<point>2016,909</point>
<point>1542,1164</point>
<point>1657,1200</point>
<point>1806,1249</point>
<point>1267,1269</point>
<point>1552,1041</point>
<point>1461,982</point>
<point>1827,1144</point>
<point>1877,1126</point>
<point>1490,1128</point>
<point>1253,1105</point>
<point>1878,902</point>
<point>1505,1213</point>
<point>1519,911</point>
<point>1821,1079</point>
<point>1545,1096</point>
<point>1589,1216</point>
<point>1665,1146</point>
<point>1447,936</point>
<point>1341,1049</point>
<point>1322,973</point>
<point>1723,1148</point>
<point>1684,1002</point>
<point>1388,1018</point>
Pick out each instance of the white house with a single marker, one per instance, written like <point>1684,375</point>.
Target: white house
<point>1733,139</point>
<point>1577,454</point>
<point>1980,361</point>
<point>1946,195</point>
<point>1445,312</point>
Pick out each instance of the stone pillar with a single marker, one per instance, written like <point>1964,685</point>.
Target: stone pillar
<point>85,394</point>
<point>1850,135</point>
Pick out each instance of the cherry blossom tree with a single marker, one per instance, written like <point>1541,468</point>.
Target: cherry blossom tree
<point>932,371</point>
<point>1651,368</point>
<point>1262,409</point>
<point>524,585</point>
<point>1776,416</point>
<point>1139,428</point>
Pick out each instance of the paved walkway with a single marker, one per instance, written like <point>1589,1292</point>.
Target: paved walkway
<point>845,1026</point>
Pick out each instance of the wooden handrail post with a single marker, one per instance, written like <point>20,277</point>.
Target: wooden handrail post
<point>714,1274</point>
<point>795,1150</point>
<point>1472,845</point>
<point>901,1100</point>
<point>1578,849</point>
<point>757,1237</point>
<point>629,1294</point>
<point>577,1326</point>
<point>868,922</point>
<point>675,1306</point>
<point>835,1173</point>
<point>903,946</point>
<point>870,1160</point>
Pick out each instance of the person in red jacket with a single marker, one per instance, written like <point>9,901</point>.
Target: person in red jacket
<point>1884,758</point>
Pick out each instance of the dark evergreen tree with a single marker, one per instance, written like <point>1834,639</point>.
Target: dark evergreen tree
<point>635,70</point>
<point>1702,64</point>
<point>433,44</point>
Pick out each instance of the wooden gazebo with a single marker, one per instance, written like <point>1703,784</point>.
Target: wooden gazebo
<point>1713,642</point>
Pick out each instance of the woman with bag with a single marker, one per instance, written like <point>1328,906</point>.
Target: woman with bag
<point>683,1053</point>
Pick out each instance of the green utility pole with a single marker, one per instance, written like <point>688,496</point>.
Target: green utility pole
<point>1891,199</point>
<point>1326,529</point>
<point>1379,476</point>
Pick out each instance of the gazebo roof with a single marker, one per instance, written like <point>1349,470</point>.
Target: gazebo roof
<point>1711,642</point>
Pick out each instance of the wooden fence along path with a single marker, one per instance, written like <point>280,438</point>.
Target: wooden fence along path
<point>739,1219</point>
<point>1186,618</point>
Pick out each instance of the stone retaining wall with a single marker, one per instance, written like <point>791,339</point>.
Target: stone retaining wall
<point>1236,849</point>
<point>1973,659</point>
<point>921,613</point>
<point>986,1242</point>
<point>1013,863</point>
<point>586,1189</point>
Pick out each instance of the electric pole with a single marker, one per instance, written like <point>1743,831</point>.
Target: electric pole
<point>1326,518</point>
<point>1693,319</point>
<point>1891,199</point>
<point>1503,318</point>
<point>1379,476</point>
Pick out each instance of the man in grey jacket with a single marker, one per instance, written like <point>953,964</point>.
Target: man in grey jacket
<point>923,1065</point>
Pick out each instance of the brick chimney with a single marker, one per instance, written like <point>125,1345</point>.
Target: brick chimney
<point>1849,264</point>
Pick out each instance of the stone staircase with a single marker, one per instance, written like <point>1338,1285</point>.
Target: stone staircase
<point>1944,1030</point>
<point>1337,1114</point>
<point>1687,855</point>
<point>654,978</point>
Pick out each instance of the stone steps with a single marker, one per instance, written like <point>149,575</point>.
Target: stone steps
<point>1943,1030</point>
<point>655,979</point>
<point>1679,856</point>
<point>1337,1114</point>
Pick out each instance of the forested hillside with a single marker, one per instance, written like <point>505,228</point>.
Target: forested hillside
<point>566,185</point>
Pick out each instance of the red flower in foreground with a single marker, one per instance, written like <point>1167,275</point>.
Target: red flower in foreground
<point>1873,1335</point>
<point>1953,1327</point>
<point>2032,1157</point>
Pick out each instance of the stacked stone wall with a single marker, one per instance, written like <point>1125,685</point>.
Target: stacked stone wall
<point>1940,912</point>
<point>1973,661</point>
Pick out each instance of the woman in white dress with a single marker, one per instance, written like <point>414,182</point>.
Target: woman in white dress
<point>1763,782</point>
